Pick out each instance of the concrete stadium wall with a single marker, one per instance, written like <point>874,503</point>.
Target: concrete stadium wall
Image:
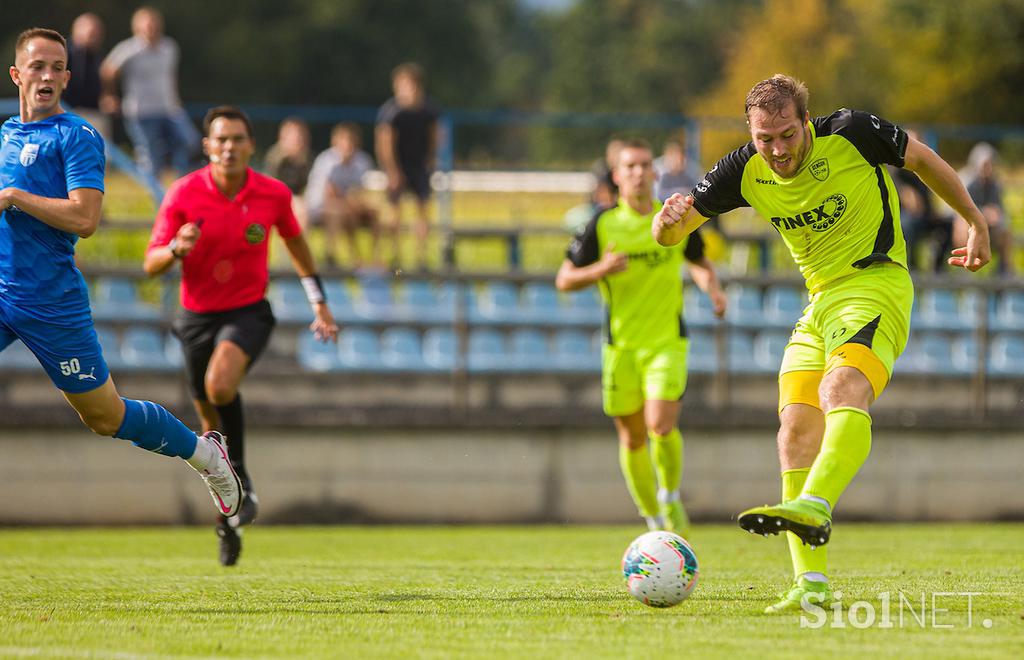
<point>469,476</point>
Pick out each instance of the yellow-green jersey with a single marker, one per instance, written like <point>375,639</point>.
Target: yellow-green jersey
<point>840,213</point>
<point>643,303</point>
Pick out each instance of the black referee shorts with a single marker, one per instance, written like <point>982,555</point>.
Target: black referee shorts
<point>248,326</point>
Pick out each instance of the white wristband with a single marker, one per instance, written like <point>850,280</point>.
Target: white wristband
<point>314,289</point>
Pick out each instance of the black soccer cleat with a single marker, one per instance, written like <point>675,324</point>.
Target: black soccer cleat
<point>230,543</point>
<point>247,511</point>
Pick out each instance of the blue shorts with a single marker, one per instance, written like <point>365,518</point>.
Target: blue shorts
<point>62,339</point>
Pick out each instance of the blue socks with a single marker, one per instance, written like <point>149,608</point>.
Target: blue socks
<point>151,427</point>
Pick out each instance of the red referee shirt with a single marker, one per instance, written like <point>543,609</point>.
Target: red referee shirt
<point>228,267</point>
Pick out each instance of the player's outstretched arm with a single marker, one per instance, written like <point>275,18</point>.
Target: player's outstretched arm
<point>676,220</point>
<point>323,326</point>
<point>571,277</point>
<point>78,214</point>
<point>942,179</point>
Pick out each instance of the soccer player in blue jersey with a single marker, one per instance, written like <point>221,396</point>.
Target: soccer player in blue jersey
<point>51,192</point>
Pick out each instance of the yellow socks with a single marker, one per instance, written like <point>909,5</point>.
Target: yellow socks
<point>844,449</point>
<point>639,473</point>
<point>804,559</point>
<point>667,455</point>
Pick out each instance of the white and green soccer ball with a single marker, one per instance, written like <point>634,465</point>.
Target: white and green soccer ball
<point>660,569</point>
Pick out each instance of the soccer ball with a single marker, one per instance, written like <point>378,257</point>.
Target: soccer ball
<point>660,569</point>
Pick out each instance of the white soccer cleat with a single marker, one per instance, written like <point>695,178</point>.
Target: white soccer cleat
<point>225,486</point>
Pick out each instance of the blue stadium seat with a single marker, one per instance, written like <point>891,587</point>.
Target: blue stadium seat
<point>739,347</point>
<point>783,305</point>
<point>173,351</point>
<point>143,349</point>
<point>339,298</point>
<point>1009,312</point>
<point>375,301</point>
<point>745,308</point>
<point>111,347</point>
<point>1006,355</point>
<point>315,355</point>
<point>697,308</point>
<point>575,351</point>
<point>932,353</point>
<point>496,302</point>
<point>703,357</point>
<point>964,354</point>
<point>584,306</point>
<point>939,309</point>
<point>401,350</point>
<point>440,348</point>
<point>530,350</point>
<point>115,299</point>
<point>423,302</point>
<point>17,357</point>
<point>769,346</point>
<point>541,304</point>
<point>359,350</point>
<point>487,351</point>
<point>288,300</point>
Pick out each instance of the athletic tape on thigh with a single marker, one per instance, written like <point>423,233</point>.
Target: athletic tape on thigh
<point>864,360</point>
<point>799,387</point>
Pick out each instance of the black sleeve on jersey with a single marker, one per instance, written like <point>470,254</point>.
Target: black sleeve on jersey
<point>584,249</point>
<point>719,191</point>
<point>878,140</point>
<point>694,250</point>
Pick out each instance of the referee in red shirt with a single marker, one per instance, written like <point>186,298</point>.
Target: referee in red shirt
<point>217,222</point>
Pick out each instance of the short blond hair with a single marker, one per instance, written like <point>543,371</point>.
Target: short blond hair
<point>773,94</point>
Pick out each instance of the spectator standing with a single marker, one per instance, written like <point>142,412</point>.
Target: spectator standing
<point>147,66</point>
<point>289,160</point>
<point>985,188</point>
<point>85,52</point>
<point>675,174</point>
<point>407,138</point>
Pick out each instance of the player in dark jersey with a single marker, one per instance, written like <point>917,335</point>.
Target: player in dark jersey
<point>824,186</point>
<point>51,193</point>
<point>217,221</point>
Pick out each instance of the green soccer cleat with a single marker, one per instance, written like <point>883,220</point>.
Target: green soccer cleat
<point>811,521</point>
<point>803,590</point>
<point>676,520</point>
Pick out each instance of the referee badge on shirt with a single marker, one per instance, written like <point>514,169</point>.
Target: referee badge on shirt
<point>255,233</point>
<point>29,153</point>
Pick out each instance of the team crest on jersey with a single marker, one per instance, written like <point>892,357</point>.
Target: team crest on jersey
<point>255,233</point>
<point>819,169</point>
<point>29,153</point>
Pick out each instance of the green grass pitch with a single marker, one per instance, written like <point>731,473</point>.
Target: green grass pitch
<point>516,592</point>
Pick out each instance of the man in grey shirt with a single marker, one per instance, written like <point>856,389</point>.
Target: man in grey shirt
<point>147,65</point>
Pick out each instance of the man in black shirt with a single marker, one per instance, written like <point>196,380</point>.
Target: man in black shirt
<point>85,52</point>
<point>407,137</point>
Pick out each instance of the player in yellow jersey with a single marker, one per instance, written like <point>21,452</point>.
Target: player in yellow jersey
<point>823,185</point>
<point>645,350</point>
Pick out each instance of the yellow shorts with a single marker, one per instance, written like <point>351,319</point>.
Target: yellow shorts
<point>862,321</point>
<point>632,376</point>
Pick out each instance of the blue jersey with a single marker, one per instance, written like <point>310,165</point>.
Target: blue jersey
<point>48,158</point>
